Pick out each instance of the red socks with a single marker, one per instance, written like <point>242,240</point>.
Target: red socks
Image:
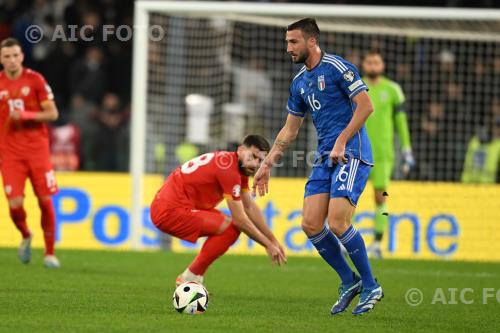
<point>18,216</point>
<point>214,247</point>
<point>48,224</point>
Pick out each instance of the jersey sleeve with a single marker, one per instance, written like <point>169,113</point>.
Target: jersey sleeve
<point>401,125</point>
<point>398,97</point>
<point>348,78</point>
<point>231,184</point>
<point>42,88</point>
<point>400,118</point>
<point>296,105</point>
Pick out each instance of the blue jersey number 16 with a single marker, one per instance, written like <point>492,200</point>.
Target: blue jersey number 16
<point>314,103</point>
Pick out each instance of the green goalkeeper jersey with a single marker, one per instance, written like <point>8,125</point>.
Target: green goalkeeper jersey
<point>387,98</point>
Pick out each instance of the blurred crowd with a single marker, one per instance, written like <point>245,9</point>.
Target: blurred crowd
<point>91,80</point>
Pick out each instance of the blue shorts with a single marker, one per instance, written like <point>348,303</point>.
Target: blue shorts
<point>341,181</point>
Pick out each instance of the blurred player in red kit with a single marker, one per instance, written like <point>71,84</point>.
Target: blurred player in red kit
<point>185,205</point>
<point>26,104</point>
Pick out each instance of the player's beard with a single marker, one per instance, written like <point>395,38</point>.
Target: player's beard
<point>246,171</point>
<point>373,75</point>
<point>14,71</point>
<point>301,57</point>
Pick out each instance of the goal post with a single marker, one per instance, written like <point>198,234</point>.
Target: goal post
<point>138,121</point>
<point>229,58</point>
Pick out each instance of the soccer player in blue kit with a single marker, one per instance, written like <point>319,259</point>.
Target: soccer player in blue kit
<point>331,90</point>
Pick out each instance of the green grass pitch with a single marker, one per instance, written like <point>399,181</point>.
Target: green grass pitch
<point>107,291</point>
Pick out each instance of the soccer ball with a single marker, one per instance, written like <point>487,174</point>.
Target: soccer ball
<point>190,298</point>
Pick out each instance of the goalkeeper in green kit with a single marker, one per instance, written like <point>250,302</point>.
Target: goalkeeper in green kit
<point>389,116</point>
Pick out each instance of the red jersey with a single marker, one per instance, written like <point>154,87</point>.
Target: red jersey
<point>23,139</point>
<point>204,181</point>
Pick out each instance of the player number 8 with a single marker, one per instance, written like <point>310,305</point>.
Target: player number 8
<point>192,165</point>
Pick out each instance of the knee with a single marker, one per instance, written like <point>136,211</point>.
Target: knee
<point>229,228</point>
<point>379,197</point>
<point>15,203</point>
<point>311,227</point>
<point>338,226</point>
<point>224,226</point>
<point>45,203</point>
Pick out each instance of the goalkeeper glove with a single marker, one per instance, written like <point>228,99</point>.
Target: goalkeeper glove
<point>408,161</point>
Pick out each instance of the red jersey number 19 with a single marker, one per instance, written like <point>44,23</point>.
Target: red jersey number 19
<point>16,104</point>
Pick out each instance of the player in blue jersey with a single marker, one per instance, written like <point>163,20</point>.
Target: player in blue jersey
<point>331,90</point>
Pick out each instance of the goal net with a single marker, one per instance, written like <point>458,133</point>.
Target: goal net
<point>221,71</point>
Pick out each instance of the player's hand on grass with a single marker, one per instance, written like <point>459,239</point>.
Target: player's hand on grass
<point>408,162</point>
<point>337,154</point>
<point>281,248</point>
<point>261,180</point>
<point>276,255</point>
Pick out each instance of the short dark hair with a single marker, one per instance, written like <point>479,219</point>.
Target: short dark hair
<point>307,25</point>
<point>8,42</point>
<point>258,141</point>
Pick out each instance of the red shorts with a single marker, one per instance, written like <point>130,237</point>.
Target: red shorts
<point>185,223</point>
<point>38,170</point>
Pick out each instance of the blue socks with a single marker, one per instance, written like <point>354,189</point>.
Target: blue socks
<point>329,248</point>
<point>354,244</point>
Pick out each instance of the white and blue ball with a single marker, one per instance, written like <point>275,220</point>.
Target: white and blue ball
<point>190,298</point>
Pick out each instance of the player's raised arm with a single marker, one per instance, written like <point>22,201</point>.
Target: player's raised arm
<point>363,110</point>
<point>255,215</point>
<point>286,135</point>
<point>243,223</point>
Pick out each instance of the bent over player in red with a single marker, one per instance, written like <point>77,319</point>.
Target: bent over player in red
<point>185,205</point>
<point>26,104</point>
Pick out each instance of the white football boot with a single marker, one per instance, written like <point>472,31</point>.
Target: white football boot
<point>188,276</point>
<point>51,261</point>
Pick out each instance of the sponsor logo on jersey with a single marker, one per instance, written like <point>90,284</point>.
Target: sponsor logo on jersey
<point>4,94</point>
<point>321,82</point>
<point>25,90</point>
<point>302,91</point>
<point>349,76</point>
<point>8,189</point>
<point>355,85</point>
<point>236,191</point>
